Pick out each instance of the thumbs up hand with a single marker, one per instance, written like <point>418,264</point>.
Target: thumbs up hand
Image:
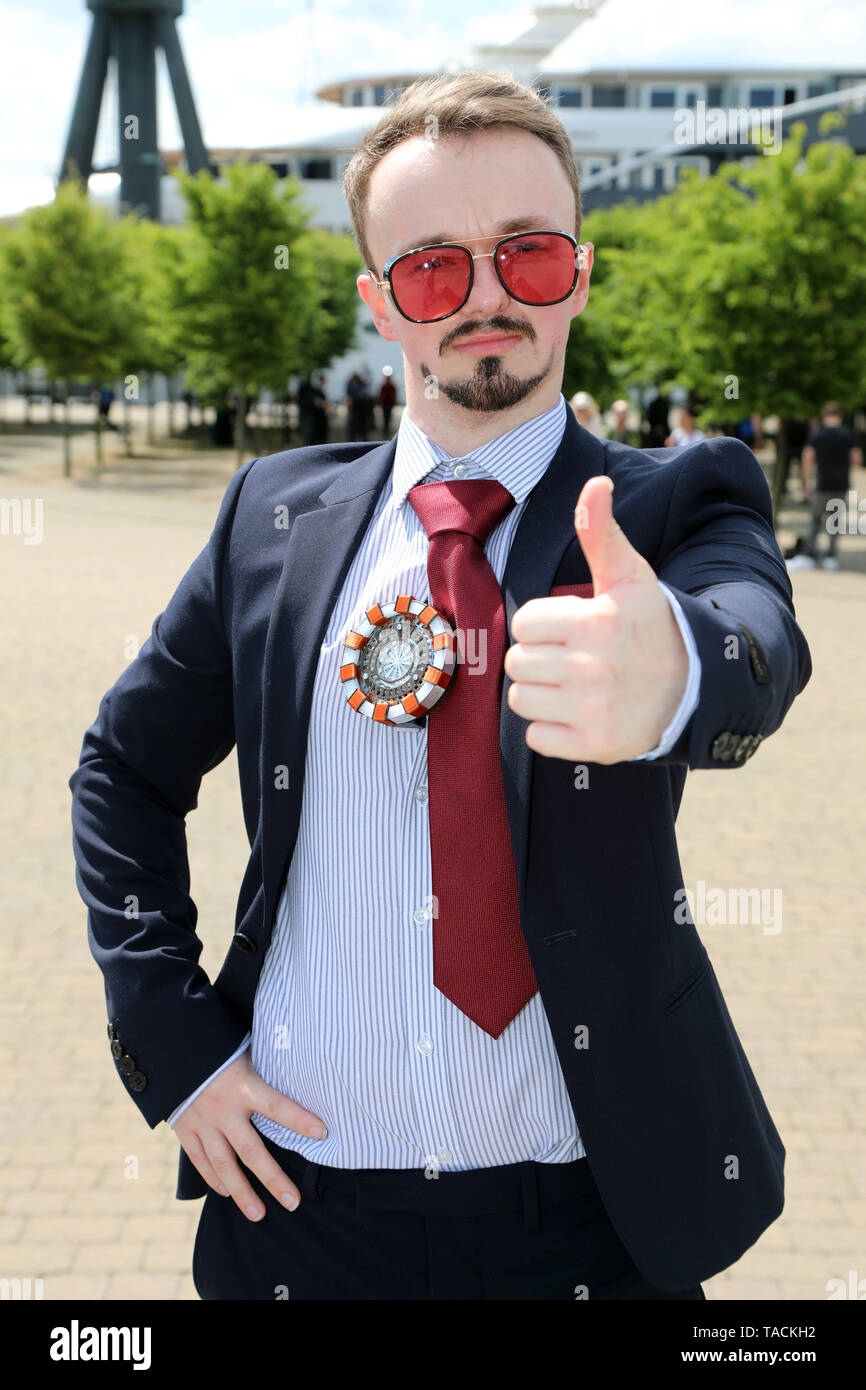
<point>599,678</point>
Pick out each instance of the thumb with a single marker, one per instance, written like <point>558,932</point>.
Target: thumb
<point>611,557</point>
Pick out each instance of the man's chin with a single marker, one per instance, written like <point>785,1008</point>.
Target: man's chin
<point>489,389</point>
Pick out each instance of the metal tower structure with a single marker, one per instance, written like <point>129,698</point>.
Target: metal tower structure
<point>131,31</point>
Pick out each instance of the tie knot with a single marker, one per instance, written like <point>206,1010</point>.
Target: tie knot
<point>471,505</point>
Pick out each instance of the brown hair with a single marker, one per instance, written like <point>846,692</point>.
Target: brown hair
<point>456,104</point>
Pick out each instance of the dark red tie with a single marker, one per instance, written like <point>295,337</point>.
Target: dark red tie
<point>480,961</point>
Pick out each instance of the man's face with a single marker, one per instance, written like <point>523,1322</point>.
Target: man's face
<point>461,189</point>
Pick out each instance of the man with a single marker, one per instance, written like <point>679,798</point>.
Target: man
<point>686,433</point>
<point>827,457</point>
<point>387,400</point>
<point>587,413</point>
<point>488,1058</point>
<point>619,431</point>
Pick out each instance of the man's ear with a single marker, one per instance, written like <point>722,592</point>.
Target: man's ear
<point>581,289</point>
<point>376,303</point>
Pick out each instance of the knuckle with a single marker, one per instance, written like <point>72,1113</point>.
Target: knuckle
<point>246,1150</point>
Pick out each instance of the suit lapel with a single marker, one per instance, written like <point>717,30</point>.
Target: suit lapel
<point>319,549</point>
<point>544,532</point>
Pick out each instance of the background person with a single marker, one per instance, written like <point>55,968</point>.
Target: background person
<point>826,461</point>
<point>587,413</point>
<point>686,432</point>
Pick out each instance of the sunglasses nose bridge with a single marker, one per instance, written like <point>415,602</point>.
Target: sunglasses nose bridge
<point>487,288</point>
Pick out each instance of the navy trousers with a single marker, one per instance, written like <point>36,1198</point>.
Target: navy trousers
<point>518,1231</point>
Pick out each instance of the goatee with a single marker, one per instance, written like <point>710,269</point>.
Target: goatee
<point>490,388</point>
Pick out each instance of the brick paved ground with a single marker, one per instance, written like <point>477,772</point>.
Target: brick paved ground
<point>113,551</point>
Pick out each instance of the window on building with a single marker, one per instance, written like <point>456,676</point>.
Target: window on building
<point>608,96</point>
<point>658,178</point>
<point>379,94</point>
<point>714,95</point>
<point>570,96</point>
<point>317,168</point>
<point>281,170</point>
<point>815,89</point>
<point>691,100</point>
<point>662,96</point>
<point>762,96</point>
<point>357,96</point>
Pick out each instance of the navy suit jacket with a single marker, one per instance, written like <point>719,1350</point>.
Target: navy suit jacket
<point>685,1154</point>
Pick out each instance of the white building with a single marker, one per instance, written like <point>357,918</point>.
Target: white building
<point>619,106</point>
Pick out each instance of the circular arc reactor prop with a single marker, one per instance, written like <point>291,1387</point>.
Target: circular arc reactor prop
<point>398,661</point>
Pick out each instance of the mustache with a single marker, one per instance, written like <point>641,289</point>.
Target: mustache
<point>499,323</point>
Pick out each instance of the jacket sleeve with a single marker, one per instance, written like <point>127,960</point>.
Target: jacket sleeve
<point>165,722</point>
<point>719,556</point>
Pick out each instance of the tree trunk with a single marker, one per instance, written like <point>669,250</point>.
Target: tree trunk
<point>151,404</point>
<point>169,397</point>
<point>780,471</point>
<point>176,404</point>
<point>127,427</point>
<point>98,436</point>
<point>240,427</point>
<point>67,453</point>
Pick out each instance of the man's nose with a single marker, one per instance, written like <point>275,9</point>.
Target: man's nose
<point>488,295</point>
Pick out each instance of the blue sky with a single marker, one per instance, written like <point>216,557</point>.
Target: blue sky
<point>252,61</point>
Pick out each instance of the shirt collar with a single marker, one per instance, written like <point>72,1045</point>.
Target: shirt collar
<point>516,459</point>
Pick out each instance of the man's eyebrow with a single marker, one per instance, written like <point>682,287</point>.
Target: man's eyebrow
<point>510,224</point>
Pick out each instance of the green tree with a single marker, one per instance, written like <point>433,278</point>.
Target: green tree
<point>594,357</point>
<point>751,286</point>
<point>69,292</point>
<point>333,263</point>
<point>154,253</point>
<point>244,289</point>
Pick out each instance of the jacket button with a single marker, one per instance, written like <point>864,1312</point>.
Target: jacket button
<point>756,739</point>
<point>126,1064</point>
<point>138,1081</point>
<point>112,1031</point>
<point>244,943</point>
<point>116,1047</point>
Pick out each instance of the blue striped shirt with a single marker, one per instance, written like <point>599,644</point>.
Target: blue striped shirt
<point>346,1020</point>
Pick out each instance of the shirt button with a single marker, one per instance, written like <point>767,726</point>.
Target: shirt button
<point>460,470</point>
<point>424,1045</point>
<point>420,793</point>
<point>444,1156</point>
<point>420,915</point>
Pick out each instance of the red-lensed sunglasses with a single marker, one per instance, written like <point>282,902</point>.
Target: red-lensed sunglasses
<point>432,282</point>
